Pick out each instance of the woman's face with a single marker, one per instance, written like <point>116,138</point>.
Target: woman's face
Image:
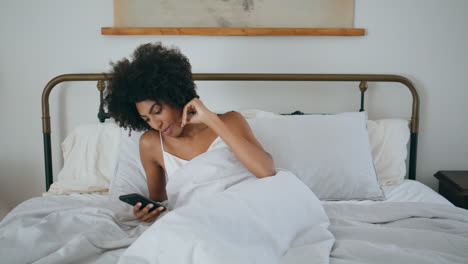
<point>161,117</point>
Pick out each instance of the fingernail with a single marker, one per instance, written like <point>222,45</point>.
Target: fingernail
<point>161,208</point>
<point>139,204</point>
<point>151,205</point>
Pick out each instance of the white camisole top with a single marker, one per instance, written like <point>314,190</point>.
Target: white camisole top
<point>173,163</point>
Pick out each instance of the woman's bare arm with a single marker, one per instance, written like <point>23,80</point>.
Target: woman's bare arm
<point>155,177</point>
<point>236,133</point>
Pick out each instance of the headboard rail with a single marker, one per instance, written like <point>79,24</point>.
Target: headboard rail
<point>363,79</point>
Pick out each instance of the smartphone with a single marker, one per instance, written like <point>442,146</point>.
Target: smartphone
<point>134,198</point>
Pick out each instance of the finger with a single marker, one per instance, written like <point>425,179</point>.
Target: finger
<point>184,115</point>
<point>140,216</point>
<point>157,211</point>
<point>143,212</point>
<point>152,219</point>
<point>189,111</point>
<point>146,218</point>
<point>147,208</point>
<point>136,208</point>
<point>155,214</point>
<point>149,217</point>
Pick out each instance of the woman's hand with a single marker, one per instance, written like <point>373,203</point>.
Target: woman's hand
<point>196,112</point>
<point>144,215</point>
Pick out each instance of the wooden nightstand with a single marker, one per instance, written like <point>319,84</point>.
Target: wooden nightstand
<point>453,185</point>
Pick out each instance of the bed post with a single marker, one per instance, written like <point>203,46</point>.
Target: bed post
<point>46,129</point>
<point>413,156</point>
<point>363,89</point>
<point>46,134</point>
<point>47,160</point>
<point>414,128</point>
<point>102,115</point>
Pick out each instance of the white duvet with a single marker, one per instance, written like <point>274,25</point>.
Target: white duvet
<point>220,213</point>
<point>398,233</point>
<point>223,214</point>
<point>86,228</point>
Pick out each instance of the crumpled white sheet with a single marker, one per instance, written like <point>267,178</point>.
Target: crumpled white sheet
<point>223,214</point>
<point>77,228</point>
<point>215,197</point>
<point>398,233</point>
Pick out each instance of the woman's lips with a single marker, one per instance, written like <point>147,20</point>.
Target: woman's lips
<point>168,130</point>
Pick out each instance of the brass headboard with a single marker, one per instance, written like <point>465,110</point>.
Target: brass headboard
<point>363,79</point>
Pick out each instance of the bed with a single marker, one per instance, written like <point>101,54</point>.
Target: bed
<point>343,194</point>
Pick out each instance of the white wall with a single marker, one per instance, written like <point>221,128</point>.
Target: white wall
<point>423,40</point>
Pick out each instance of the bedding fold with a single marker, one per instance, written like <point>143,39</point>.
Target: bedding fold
<point>79,228</point>
<point>398,233</point>
<point>221,213</point>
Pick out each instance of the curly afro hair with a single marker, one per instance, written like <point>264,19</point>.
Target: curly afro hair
<point>156,73</point>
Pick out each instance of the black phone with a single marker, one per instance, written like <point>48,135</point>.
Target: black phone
<point>134,198</point>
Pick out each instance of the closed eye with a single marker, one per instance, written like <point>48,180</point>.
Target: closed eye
<point>159,110</point>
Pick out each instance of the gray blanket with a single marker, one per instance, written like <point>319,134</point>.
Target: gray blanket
<point>68,229</point>
<point>99,228</point>
<point>398,233</point>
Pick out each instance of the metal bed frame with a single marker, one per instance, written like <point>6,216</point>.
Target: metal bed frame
<point>363,80</point>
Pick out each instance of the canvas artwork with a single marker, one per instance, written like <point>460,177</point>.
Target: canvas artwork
<point>234,13</point>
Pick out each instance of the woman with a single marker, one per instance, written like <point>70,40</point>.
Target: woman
<point>155,92</point>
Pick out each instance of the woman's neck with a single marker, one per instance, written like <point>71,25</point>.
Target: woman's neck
<point>192,130</point>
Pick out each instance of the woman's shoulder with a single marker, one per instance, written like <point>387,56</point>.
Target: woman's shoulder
<point>150,139</point>
<point>150,146</point>
<point>232,116</point>
<point>234,120</point>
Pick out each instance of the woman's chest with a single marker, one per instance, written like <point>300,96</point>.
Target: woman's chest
<point>187,149</point>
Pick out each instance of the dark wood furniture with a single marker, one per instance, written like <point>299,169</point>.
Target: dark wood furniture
<point>453,185</point>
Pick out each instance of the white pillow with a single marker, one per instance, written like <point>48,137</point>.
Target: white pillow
<point>90,156</point>
<point>130,176</point>
<point>256,113</point>
<point>330,153</point>
<point>389,139</point>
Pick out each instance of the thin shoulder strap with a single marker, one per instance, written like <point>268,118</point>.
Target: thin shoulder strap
<point>160,137</point>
